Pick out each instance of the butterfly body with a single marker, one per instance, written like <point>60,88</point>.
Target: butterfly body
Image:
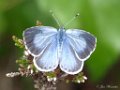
<point>61,34</point>
<point>51,48</point>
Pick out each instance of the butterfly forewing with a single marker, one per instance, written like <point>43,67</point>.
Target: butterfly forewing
<point>37,38</point>
<point>82,42</point>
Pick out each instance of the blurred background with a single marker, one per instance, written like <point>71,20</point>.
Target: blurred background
<point>99,17</point>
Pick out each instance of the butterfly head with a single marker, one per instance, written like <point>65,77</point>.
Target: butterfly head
<point>61,29</point>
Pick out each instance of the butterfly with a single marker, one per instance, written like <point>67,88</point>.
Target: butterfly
<point>52,48</point>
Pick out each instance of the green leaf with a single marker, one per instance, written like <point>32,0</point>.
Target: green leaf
<point>18,42</point>
<point>23,63</point>
<point>50,74</point>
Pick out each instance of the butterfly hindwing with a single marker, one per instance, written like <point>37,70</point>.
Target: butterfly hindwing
<point>68,61</point>
<point>48,60</point>
<point>82,42</point>
<point>37,38</point>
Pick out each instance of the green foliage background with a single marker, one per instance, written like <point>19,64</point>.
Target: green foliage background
<point>100,17</point>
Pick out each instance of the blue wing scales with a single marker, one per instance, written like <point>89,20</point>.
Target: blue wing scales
<point>37,38</point>
<point>69,63</point>
<point>48,60</point>
<point>82,42</point>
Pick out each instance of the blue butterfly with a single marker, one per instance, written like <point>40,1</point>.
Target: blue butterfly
<point>53,47</point>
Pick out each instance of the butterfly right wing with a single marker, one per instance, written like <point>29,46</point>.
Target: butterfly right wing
<point>37,38</point>
<point>69,63</point>
<point>82,42</point>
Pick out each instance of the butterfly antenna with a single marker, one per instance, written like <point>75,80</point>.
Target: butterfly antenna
<point>72,19</point>
<point>56,18</point>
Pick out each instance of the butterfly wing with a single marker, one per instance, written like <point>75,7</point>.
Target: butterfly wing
<point>69,63</point>
<point>48,60</point>
<point>37,38</point>
<point>82,42</point>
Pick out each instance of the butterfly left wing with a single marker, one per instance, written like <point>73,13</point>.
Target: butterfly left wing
<point>82,42</point>
<point>37,38</point>
<point>41,42</point>
<point>48,60</point>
